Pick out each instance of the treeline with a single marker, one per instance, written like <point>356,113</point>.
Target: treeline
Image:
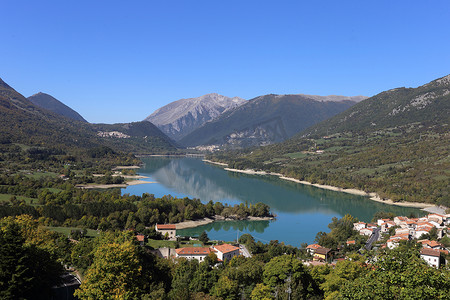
<point>59,203</point>
<point>114,265</point>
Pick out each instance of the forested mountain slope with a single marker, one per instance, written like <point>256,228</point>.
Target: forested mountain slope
<point>22,122</point>
<point>396,144</point>
<point>266,120</point>
<point>50,103</point>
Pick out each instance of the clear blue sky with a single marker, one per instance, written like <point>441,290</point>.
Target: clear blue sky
<point>118,61</point>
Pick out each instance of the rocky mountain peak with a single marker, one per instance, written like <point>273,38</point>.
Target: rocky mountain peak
<point>181,117</point>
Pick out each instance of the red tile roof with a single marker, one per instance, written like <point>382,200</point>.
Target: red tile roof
<point>140,237</point>
<point>429,252</point>
<point>194,251</point>
<point>351,242</point>
<point>313,246</point>
<point>166,226</point>
<point>225,248</point>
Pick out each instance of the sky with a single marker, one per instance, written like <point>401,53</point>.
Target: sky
<point>118,61</point>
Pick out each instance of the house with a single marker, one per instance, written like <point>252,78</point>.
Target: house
<point>312,248</point>
<point>322,254</point>
<point>358,226</point>
<point>394,240</point>
<point>399,231</point>
<point>381,221</point>
<point>141,239</point>
<point>386,225</point>
<point>399,220</point>
<point>431,244</point>
<point>436,218</point>
<point>422,230</point>
<point>169,230</point>
<point>351,243</point>
<point>226,251</point>
<point>198,253</point>
<point>366,231</point>
<point>431,256</point>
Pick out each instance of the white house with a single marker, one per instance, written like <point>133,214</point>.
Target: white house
<point>226,251</point>
<point>169,229</point>
<point>431,256</point>
<point>311,249</point>
<point>358,226</point>
<point>198,253</point>
<point>366,231</point>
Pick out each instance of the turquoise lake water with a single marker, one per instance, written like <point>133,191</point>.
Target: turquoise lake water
<point>301,210</point>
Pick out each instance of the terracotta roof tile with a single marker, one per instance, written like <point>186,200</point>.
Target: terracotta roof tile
<point>166,226</point>
<point>225,248</point>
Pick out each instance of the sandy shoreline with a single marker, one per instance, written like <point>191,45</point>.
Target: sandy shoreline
<point>109,186</point>
<point>372,196</point>
<point>205,221</point>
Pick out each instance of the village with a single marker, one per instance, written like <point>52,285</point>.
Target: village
<point>385,233</point>
<point>392,232</point>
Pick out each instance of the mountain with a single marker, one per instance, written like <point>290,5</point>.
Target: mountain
<point>139,137</point>
<point>428,104</point>
<point>179,118</point>
<point>395,144</point>
<point>267,119</point>
<point>22,122</point>
<point>48,102</point>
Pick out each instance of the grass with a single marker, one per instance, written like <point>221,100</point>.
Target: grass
<point>6,197</point>
<point>67,230</point>
<point>170,244</point>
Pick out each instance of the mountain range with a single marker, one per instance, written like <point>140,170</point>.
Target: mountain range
<point>22,122</point>
<point>267,119</point>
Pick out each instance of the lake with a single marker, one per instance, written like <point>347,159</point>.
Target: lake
<point>301,210</point>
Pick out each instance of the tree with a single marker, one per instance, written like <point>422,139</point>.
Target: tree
<point>261,292</point>
<point>115,272</point>
<point>399,274</point>
<point>286,271</point>
<point>203,237</point>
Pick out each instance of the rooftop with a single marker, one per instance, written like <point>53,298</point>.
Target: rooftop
<point>166,226</point>
<point>430,252</point>
<point>225,248</point>
<point>194,251</point>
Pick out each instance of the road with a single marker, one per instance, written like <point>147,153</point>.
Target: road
<point>374,237</point>
<point>244,251</point>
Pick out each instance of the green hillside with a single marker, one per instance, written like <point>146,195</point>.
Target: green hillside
<point>395,144</point>
<point>50,103</point>
<point>25,125</point>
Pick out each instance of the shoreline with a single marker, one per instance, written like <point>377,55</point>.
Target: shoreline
<point>372,196</point>
<point>110,186</point>
<point>207,220</point>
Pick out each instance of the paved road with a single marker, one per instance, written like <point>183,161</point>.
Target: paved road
<point>244,251</point>
<point>374,237</point>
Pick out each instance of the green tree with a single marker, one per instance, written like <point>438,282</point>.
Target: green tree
<point>261,292</point>
<point>203,237</point>
<point>286,271</point>
<point>115,273</point>
<point>399,274</point>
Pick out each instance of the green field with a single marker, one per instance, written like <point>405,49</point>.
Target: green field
<point>6,197</point>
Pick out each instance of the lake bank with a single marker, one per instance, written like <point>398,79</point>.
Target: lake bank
<point>371,196</point>
<point>110,186</point>
<point>205,221</point>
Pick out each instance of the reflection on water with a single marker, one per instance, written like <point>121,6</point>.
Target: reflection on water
<point>294,203</point>
<point>226,226</point>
